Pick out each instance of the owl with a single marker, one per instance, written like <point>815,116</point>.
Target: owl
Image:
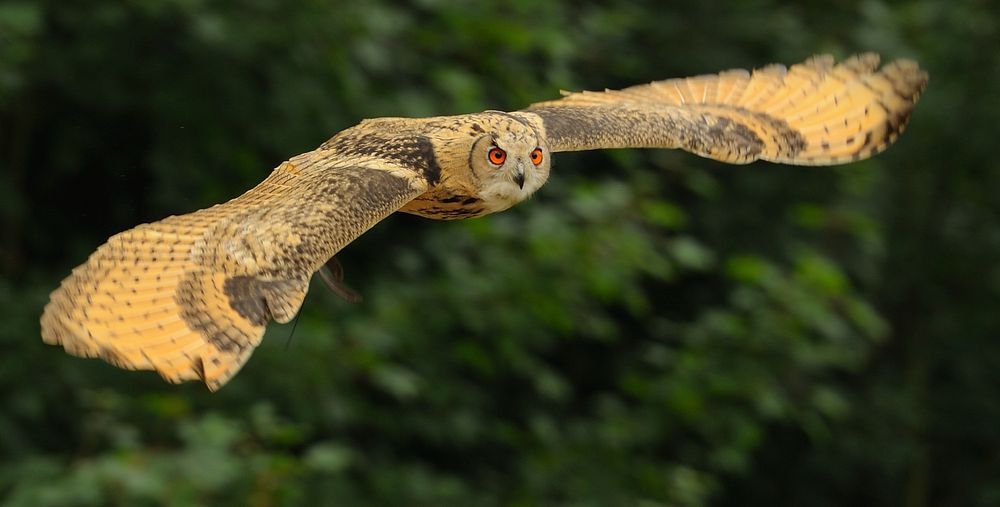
<point>189,296</point>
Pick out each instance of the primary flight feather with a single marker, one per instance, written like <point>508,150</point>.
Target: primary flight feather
<point>189,296</point>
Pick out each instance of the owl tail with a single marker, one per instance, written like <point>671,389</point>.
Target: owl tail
<point>141,302</point>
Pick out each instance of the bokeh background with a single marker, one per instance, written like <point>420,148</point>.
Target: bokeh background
<point>651,329</point>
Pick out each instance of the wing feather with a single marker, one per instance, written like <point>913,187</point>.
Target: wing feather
<point>814,113</point>
<point>190,296</point>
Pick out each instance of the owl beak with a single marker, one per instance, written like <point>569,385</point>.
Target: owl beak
<point>519,176</point>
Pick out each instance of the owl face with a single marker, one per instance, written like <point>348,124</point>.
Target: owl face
<point>510,162</point>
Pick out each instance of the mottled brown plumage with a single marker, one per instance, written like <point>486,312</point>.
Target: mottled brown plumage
<point>189,296</point>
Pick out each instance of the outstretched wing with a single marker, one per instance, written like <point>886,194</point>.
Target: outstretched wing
<point>814,113</point>
<point>189,296</point>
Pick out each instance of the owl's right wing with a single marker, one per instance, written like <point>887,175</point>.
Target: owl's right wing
<point>814,113</point>
<point>189,296</point>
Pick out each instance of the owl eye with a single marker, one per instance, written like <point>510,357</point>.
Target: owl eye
<point>496,155</point>
<point>536,156</point>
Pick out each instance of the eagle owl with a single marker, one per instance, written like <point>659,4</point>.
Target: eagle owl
<point>189,296</point>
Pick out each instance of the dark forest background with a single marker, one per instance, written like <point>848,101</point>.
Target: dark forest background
<point>651,329</point>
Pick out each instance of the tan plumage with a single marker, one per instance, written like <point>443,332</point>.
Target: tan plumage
<point>814,113</point>
<point>189,296</point>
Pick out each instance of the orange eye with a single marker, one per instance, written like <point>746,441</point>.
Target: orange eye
<point>497,156</point>
<point>536,156</point>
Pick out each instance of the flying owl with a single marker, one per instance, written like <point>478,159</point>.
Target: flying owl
<point>189,296</point>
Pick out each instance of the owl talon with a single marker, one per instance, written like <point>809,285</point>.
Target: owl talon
<point>332,274</point>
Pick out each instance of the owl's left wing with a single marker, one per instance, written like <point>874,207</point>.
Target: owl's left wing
<point>815,113</point>
<point>189,296</point>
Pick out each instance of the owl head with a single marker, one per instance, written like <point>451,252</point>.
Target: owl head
<point>509,159</point>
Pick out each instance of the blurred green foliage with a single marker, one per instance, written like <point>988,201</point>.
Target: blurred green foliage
<point>651,329</point>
